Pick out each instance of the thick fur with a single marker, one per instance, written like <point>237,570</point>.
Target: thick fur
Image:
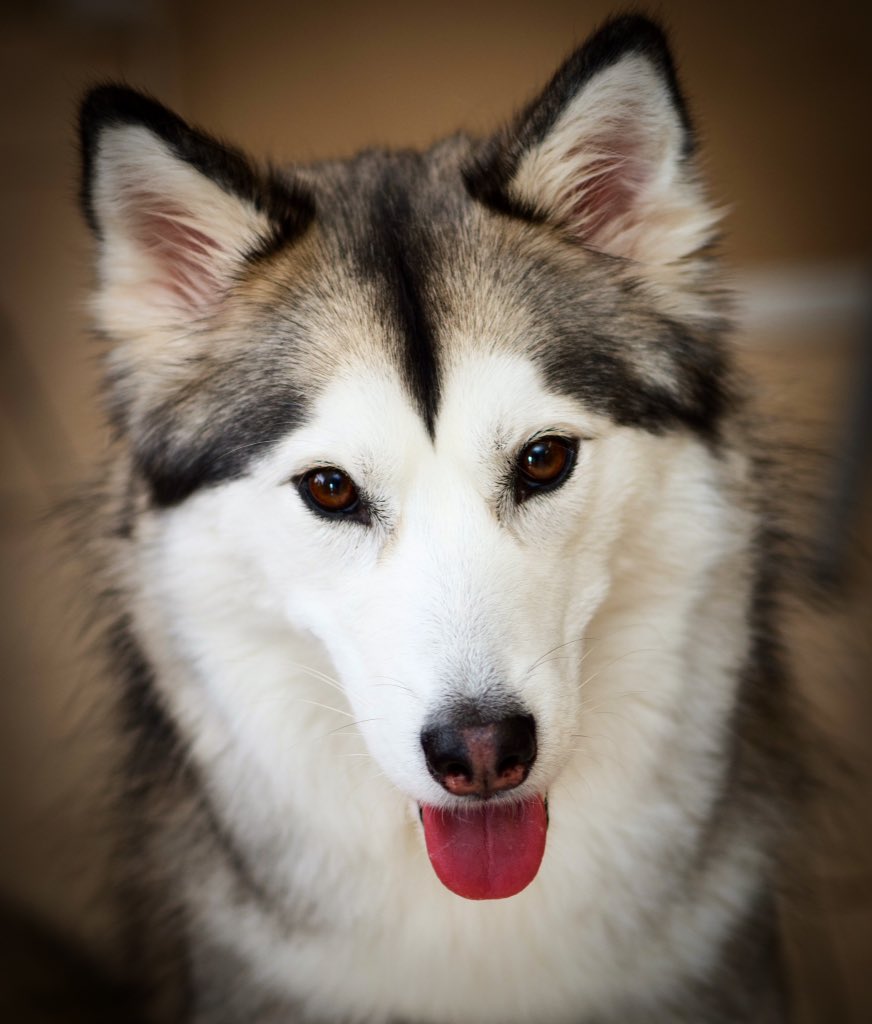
<point>416,319</point>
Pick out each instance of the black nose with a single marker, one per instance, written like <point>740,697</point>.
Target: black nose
<point>480,759</point>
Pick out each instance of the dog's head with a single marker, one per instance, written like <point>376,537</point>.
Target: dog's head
<point>448,413</point>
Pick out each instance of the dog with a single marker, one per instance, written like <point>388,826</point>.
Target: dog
<point>438,571</point>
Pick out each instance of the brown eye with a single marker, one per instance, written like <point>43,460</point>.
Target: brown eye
<point>543,464</point>
<point>330,491</point>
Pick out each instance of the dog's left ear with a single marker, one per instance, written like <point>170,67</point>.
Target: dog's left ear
<point>606,152</point>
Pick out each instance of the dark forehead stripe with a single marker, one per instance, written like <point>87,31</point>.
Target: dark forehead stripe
<point>212,429</point>
<point>592,367</point>
<point>395,253</point>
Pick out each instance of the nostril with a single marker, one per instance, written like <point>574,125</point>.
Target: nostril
<point>445,754</point>
<point>516,744</point>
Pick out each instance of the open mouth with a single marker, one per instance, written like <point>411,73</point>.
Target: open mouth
<point>487,850</point>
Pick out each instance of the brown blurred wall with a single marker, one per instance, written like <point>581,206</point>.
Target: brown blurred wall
<point>782,96</point>
<point>781,93</point>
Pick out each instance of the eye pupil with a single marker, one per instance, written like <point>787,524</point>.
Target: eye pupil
<point>544,459</point>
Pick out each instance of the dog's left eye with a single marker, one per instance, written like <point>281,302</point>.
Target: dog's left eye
<point>331,491</point>
<point>543,465</point>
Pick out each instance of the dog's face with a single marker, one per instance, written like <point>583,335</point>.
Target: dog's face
<point>437,411</point>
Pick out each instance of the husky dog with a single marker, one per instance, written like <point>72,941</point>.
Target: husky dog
<point>437,569</point>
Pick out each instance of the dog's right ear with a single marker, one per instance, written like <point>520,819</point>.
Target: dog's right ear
<point>176,213</point>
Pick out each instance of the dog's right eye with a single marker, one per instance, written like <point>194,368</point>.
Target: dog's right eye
<point>330,491</point>
<point>543,465</point>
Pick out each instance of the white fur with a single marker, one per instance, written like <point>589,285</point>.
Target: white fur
<point>302,656</point>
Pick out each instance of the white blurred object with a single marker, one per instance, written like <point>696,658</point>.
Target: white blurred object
<point>806,297</point>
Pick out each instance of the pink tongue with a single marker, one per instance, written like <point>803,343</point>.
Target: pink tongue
<point>488,851</point>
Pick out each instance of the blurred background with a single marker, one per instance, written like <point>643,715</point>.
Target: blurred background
<point>782,94</point>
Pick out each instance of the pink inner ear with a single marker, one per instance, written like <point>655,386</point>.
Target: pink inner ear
<point>610,183</point>
<point>185,257</point>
